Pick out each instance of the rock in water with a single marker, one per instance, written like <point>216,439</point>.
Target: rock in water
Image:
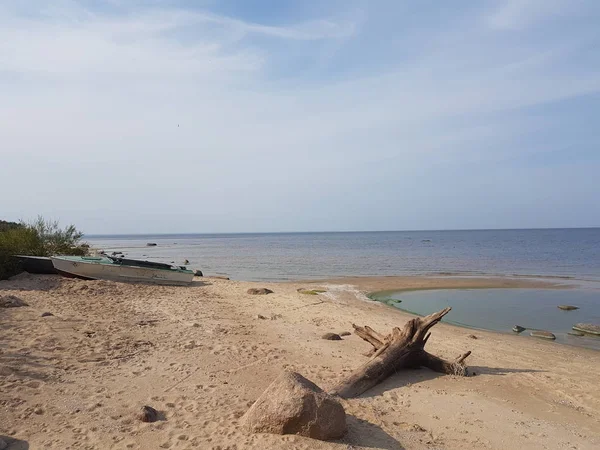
<point>294,405</point>
<point>518,329</point>
<point>261,291</point>
<point>198,273</point>
<point>587,328</point>
<point>148,414</point>
<point>542,334</point>
<point>568,307</point>
<point>11,301</point>
<point>331,337</point>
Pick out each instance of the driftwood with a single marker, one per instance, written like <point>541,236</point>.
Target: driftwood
<point>401,349</point>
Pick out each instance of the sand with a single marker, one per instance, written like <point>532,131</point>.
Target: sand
<point>201,356</point>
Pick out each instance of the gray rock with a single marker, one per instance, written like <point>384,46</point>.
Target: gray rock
<point>568,307</point>
<point>11,301</point>
<point>518,329</point>
<point>542,334</point>
<point>148,414</point>
<point>294,405</point>
<point>587,328</point>
<point>331,337</point>
<point>47,314</point>
<point>261,291</point>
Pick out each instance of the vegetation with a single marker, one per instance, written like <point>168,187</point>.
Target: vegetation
<point>38,238</point>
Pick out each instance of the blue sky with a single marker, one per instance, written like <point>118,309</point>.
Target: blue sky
<point>232,116</point>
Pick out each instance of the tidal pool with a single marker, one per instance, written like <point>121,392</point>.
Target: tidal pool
<point>501,309</point>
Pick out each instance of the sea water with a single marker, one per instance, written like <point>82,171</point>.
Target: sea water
<point>293,256</point>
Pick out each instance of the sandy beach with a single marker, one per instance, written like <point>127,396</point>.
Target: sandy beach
<point>201,355</point>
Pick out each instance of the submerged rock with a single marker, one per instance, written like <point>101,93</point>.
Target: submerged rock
<point>568,307</point>
<point>542,334</point>
<point>518,329</point>
<point>587,328</point>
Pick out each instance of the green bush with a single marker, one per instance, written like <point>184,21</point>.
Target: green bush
<point>38,238</point>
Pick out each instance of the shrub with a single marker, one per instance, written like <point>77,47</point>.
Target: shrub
<point>38,238</point>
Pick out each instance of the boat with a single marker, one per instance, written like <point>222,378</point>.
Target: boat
<point>121,269</point>
<point>36,264</point>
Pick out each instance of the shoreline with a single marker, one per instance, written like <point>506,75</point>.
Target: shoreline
<point>202,354</point>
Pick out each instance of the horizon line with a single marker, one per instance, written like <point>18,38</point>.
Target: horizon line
<point>333,232</point>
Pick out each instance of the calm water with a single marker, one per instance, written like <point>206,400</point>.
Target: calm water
<point>288,256</point>
<point>501,309</point>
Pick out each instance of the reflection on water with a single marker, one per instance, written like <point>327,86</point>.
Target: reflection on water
<point>501,309</point>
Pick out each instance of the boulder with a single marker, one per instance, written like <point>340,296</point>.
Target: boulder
<point>11,301</point>
<point>518,329</point>
<point>331,337</point>
<point>568,307</point>
<point>261,291</point>
<point>294,405</point>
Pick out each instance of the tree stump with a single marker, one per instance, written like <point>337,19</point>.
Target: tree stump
<point>401,349</point>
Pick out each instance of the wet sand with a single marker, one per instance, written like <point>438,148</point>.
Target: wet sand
<point>201,356</point>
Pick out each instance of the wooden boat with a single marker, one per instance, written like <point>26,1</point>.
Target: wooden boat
<point>588,328</point>
<point>36,264</point>
<point>121,269</point>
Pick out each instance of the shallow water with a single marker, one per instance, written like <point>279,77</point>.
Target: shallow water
<point>501,309</point>
<point>293,256</point>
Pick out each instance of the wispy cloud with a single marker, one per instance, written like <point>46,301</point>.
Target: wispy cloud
<point>517,14</point>
<point>168,99</point>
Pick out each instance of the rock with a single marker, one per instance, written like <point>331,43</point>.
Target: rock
<point>294,405</point>
<point>151,244</point>
<point>3,444</point>
<point>186,262</point>
<point>47,314</point>
<point>261,317</point>
<point>587,328</point>
<point>472,336</point>
<point>542,334</point>
<point>331,337</point>
<point>576,333</point>
<point>148,414</point>
<point>219,277</point>
<point>38,411</point>
<point>518,329</point>
<point>568,307</point>
<point>11,301</point>
<point>261,291</point>
<point>276,316</point>
<point>345,333</point>
<point>311,291</point>
<point>198,273</point>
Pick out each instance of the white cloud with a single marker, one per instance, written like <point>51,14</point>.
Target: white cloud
<point>137,108</point>
<point>518,14</point>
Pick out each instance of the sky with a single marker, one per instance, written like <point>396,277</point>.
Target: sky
<point>165,116</point>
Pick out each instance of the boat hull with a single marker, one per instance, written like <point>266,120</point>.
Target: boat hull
<point>36,264</point>
<point>91,270</point>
